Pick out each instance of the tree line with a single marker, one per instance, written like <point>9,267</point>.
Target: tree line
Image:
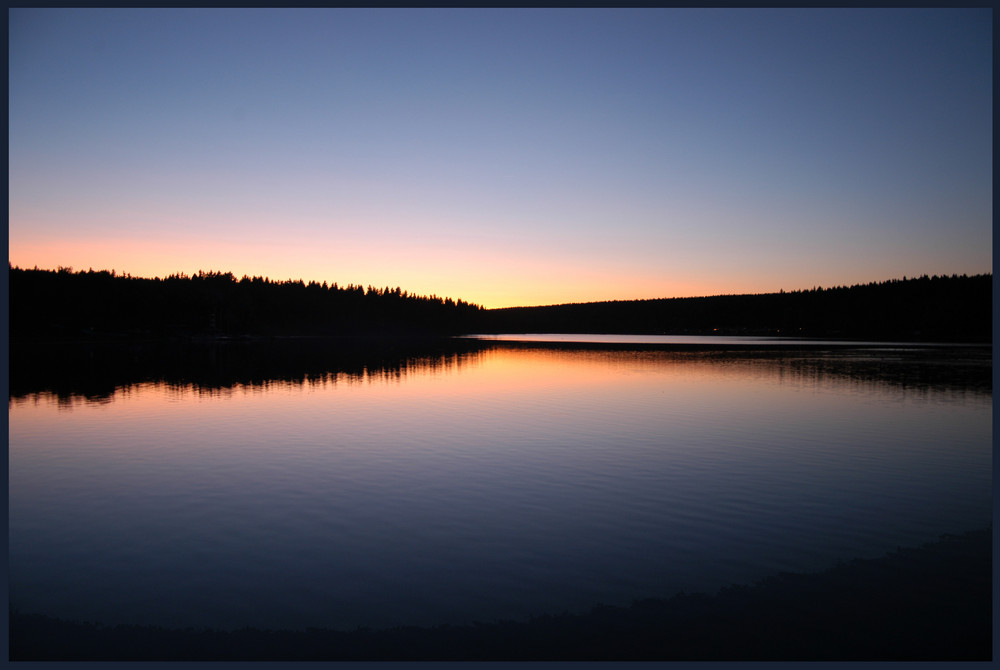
<point>63,304</point>
<point>66,304</point>
<point>945,308</point>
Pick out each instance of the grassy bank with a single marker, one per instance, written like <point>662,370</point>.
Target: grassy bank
<point>928,603</point>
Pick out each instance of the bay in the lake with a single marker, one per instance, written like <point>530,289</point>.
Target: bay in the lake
<point>481,479</point>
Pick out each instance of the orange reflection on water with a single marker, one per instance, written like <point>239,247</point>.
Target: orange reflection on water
<point>486,387</point>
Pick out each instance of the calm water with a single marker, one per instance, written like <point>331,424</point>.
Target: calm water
<point>499,481</point>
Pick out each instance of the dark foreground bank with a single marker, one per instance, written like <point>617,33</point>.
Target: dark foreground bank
<point>928,603</point>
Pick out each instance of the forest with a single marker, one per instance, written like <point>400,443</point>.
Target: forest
<point>66,305</point>
<point>938,308</point>
<point>63,304</point>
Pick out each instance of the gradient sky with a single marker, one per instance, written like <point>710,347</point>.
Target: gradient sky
<point>505,157</point>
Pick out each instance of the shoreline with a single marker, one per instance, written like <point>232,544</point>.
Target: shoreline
<point>932,602</point>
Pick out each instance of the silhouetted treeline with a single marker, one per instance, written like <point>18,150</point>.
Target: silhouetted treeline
<point>62,304</point>
<point>932,603</point>
<point>66,304</point>
<point>955,308</point>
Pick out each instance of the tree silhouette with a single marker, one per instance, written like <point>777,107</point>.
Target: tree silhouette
<point>67,304</point>
<point>64,304</point>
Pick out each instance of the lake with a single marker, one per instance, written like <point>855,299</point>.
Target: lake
<point>304,484</point>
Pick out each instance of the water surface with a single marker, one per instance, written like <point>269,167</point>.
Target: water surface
<point>495,481</point>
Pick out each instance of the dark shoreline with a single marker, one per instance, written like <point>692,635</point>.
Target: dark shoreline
<point>932,603</point>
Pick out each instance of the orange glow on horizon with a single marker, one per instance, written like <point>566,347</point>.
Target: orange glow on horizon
<point>515,284</point>
<point>491,279</point>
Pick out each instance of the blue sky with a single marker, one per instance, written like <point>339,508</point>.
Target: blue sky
<point>505,156</point>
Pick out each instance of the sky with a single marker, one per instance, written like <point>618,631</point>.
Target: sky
<point>505,156</point>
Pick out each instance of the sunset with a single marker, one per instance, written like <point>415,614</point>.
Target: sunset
<point>500,335</point>
<point>505,156</point>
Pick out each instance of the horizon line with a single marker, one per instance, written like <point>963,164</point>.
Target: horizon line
<point>182,275</point>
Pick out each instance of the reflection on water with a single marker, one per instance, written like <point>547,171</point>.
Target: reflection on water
<point>96,371</point>
<point>474,480</point>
